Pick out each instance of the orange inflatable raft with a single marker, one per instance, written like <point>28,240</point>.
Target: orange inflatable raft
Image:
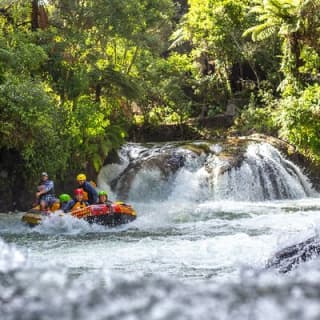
<point>111,214</point>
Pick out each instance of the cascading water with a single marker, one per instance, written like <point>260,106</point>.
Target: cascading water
<point>208,221</point>
<point>170,172</point>
<point>264,174</point>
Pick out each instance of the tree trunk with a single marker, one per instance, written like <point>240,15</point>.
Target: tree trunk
<point>98,92</point>
<point>34,15</point>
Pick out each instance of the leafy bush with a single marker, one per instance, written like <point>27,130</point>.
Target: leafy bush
<point>258,115</point>
<point>26,124</point>
<point>299,120</point>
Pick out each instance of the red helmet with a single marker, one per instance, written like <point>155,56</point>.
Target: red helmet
<point>78,191</point>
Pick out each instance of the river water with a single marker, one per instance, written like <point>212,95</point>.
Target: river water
<point>187,256</point>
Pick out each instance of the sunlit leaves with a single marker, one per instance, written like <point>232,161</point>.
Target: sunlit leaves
<point>299,119</point>
<point>297,23</point>
<point>214,30</point>
<point>26,122</point>
<point>274,16</point>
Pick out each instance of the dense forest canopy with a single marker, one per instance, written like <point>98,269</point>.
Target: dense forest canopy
<point>76,75</point>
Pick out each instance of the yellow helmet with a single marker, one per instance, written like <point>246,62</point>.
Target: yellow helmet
<point>81,177</point>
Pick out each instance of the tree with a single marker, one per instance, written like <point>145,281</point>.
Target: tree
<point>297,24</point>
<point>214,30</point>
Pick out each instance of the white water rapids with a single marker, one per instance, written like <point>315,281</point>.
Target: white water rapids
<point>197,250</point>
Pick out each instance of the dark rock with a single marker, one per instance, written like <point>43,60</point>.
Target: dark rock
<point>289,258</point>
<point>162,133</point>
<point>166,163</point>
<point>12,182</point>
<point>224,121</point>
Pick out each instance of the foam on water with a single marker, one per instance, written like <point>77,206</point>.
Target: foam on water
<point>34,292</point>
<point>10,258</point>
<point>60,223</point>
<point>194,241</point>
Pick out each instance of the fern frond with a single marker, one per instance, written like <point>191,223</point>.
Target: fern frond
<point>260,32</point>
<point>179,38</point>
<point>266,32</point>
<point>97,162</point>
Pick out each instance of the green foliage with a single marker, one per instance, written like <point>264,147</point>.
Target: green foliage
<point>299,120</point>
<point>26,124</point>
<point>63,87</point>
<point>92,134</point>
<point>311,63</point>
<point>259,115</point>
<point>166,88</point>
<point>214,29</point>
<point>297,23</point>
<point>274,16</point>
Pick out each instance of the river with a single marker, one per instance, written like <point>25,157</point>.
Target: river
<point>187,256</point>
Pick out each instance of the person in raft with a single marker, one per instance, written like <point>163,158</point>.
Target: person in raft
<point>77,202</point>
<point>90,193</point>
<point>64,198</point>
<point>45,192</point>
<point>103,197</point>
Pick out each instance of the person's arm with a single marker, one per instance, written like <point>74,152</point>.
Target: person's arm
<point>45,188</point>
<point>95,195</point>
<point>69,206</point>
<point>93,192</point>
<point>40,189</point>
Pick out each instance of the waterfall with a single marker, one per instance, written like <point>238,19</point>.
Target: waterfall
<point>157,172</point>
<point>264,174</point>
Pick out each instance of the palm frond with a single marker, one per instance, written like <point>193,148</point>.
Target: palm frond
<point>179,38</point>
<point>260,32</point>
<point>111,78</point>
<point>266,31</point>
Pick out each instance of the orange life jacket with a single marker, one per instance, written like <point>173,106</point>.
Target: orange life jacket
<point>55,206</point>
<point>79,205</point>
<point>85,196</point>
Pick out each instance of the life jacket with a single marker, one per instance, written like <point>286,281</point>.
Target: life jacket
<point>55,206</point>
<point>79,205</point>
<point>85,195</point>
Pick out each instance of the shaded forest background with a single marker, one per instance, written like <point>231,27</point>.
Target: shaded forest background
<point>78,78</point>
